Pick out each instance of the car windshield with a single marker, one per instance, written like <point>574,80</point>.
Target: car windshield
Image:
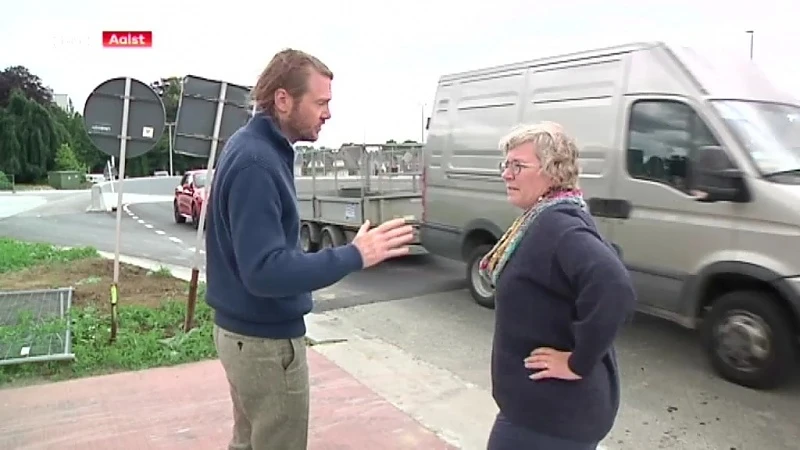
<point>200,179</point>
<point>769,131</point>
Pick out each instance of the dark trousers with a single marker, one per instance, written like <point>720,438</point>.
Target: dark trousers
<point>508,436</point>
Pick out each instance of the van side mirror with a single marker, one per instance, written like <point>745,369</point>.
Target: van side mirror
<point>715,178</point>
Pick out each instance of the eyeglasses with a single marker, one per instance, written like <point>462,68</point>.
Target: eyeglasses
<point>515,166</point>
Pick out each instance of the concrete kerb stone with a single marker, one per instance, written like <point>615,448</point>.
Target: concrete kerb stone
<point>135,190</point>
<point>179,272</point>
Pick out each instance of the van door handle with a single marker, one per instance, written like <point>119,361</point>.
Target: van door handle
<point>610,208</point>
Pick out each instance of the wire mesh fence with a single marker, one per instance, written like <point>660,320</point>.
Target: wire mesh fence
<point>35,326</point>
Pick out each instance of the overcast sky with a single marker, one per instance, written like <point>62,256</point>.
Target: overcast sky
<point>386,57</point>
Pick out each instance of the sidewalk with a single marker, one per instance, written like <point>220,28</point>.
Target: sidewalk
<point>187,407</point>
<point>366,394</point>
<point>13,204</point>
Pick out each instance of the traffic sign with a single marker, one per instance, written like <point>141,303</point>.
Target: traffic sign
<point>124,118</point>
<point>201,121</point>
<point>126,107</point>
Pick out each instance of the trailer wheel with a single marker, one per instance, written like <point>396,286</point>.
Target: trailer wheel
<point>306,244</point>
<point>332,236</point>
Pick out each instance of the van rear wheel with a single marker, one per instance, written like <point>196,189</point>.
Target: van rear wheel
<point>749,340</point>
<point>482,292</point>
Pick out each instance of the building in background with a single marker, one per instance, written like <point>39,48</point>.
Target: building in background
<point>64,102</point>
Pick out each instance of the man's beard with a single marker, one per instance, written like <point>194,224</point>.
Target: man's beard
<point>297,129</point>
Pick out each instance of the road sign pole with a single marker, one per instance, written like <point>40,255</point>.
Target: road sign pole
<point>169,127</point>
<point>123,143</point>
<point>192,300</point>
<point>115,113</point>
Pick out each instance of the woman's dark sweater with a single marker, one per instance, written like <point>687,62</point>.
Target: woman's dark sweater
<point>567,289</point>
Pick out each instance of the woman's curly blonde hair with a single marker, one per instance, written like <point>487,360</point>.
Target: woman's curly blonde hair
<point>557,152</point>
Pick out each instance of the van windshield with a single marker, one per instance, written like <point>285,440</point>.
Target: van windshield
<point>769,131</point>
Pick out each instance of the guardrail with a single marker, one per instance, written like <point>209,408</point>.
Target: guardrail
<point>162,189</point>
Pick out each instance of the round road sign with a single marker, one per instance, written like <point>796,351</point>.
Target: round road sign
<point>104,111</point>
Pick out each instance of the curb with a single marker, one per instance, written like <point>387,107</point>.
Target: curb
<point>320,328</point>
<point>180,272</point>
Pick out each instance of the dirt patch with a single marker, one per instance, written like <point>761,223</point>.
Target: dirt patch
<point>92,278</point>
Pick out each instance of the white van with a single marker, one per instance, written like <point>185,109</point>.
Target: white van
<point>654,123</point>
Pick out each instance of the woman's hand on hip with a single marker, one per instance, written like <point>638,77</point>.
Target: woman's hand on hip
<point>550,363</point>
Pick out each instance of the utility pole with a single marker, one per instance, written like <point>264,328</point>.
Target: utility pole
<point>170,125</point>
<point>752,34</point>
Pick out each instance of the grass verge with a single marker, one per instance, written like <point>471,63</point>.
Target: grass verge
<point>152,305</point>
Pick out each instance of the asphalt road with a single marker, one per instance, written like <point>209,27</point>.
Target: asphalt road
<point>670,398</point>
<point>148,231</point>
<point>387,281</point>
<point>63,220</point>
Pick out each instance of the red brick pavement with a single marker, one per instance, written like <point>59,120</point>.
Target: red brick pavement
<point>187,407</point>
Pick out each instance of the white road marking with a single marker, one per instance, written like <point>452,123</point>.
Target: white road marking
<point>158,232</point>
<point>194,249</point>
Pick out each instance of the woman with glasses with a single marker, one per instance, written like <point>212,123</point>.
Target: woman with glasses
<point>561,296</point>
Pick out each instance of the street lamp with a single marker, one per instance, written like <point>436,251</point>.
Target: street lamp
<point>751,33</point>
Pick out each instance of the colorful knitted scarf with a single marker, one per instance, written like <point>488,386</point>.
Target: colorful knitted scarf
<point>494,262</point>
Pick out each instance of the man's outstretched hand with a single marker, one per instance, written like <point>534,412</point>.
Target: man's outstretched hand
<point>388,240</point>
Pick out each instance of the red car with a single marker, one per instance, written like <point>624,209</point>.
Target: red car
<point>189,197</point>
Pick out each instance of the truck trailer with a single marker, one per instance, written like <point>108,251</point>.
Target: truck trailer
<point>339,189</point>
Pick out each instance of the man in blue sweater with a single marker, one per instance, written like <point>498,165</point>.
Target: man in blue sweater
<point>259,281</point>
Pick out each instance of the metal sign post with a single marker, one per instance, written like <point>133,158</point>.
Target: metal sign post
<point>209,112</point>
<point>123,144</point>
<point>142,111</point>
<point>169,128</point>
<point>192,300</point>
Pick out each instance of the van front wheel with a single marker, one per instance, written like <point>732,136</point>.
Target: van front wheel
<point>749,340</point>
<point>482,292</point>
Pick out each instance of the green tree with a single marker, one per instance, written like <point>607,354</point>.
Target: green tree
<point>33,129</point>
<point>36,137</point>
<point>10,149</point>
<point>71,128</point>
<point>66,159</point>
<point>20,78</point>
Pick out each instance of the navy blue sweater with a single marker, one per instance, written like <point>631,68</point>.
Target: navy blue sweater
<point>259,281</point>
<point>567,289</point>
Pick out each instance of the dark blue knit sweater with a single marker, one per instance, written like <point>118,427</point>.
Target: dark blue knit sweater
<point>567,289</point>
<point>259,280</point>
